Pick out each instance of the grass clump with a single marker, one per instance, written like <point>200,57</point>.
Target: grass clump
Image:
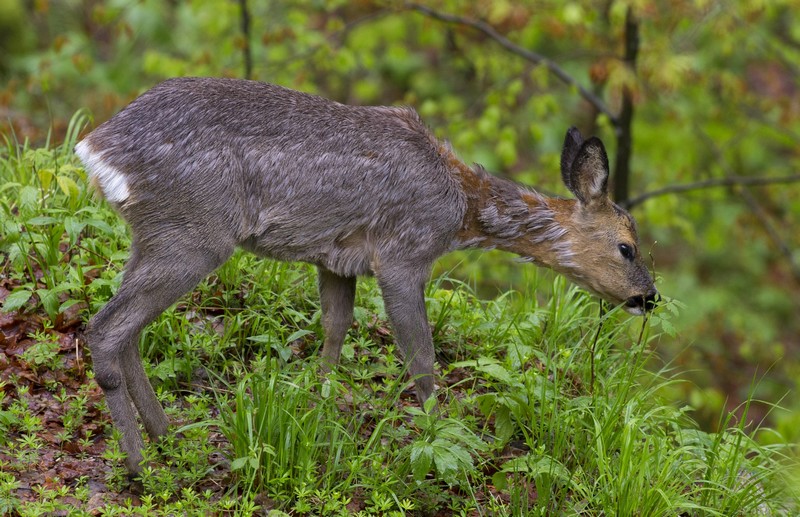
<point>544,407</point>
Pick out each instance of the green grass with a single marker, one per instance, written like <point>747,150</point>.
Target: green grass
<point>546,406</point>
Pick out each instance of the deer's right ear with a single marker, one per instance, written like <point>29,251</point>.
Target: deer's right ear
<point>584,167</point>
<point>572,144</point>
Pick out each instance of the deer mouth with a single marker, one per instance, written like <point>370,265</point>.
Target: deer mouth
<point>639,305</point>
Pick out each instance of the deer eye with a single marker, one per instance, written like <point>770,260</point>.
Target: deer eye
<point>627,251</point>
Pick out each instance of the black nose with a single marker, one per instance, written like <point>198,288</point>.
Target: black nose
<point>648,302</point>
<point>651,300</point>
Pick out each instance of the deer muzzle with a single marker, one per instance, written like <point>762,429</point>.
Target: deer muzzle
<point>642,303</point>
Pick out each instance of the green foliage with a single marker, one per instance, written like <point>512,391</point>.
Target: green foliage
<point>46,214</point>
<point>614,447</point>
<point>44,352</point>
<point>444,446</point>
<point>283,437</point>
<point>9,502</point>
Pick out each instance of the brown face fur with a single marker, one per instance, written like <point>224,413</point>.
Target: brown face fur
<point>589,239</point>
<point>604,253</point>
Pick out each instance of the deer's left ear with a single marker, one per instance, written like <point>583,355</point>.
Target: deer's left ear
<point>587,174</point>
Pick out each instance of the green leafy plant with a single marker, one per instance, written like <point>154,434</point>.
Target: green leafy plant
<point>44,352</point>
<point>443,448</point>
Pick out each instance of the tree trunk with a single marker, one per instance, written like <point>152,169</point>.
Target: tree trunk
<point>622,167</point>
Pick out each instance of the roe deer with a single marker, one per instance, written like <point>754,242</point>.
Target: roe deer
<point>199,166</point>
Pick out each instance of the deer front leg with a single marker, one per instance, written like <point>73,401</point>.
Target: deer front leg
<point>404,298</point>
<point>337,296</point>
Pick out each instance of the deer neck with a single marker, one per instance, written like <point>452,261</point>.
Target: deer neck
<point>504,215</point>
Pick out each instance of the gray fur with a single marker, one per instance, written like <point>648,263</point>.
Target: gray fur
<point>200,166</point>
<point>510,218</point>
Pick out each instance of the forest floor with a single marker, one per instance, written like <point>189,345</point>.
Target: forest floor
<point>56,457</point>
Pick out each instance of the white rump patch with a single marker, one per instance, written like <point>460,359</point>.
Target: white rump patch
<point>111,180</point>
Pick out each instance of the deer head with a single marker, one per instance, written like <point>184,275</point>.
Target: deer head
<point>601,252</point>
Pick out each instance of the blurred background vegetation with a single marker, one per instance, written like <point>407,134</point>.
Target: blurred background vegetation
<point>698,102</point>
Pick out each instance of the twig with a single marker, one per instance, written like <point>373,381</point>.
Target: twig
<point>593,349</point>
<point>728,181</point>
<point>524,53</point>
<point>757,210</point>
<point>246,50</point>
<point>751,201</point>
<point>773,234</point>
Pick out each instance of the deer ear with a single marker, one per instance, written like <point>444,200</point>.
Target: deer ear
<point>572,145</point>
<point>588,172</point>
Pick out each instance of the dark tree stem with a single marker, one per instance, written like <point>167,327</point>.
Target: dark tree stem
<point>622,165</point>
<point>246,50</point>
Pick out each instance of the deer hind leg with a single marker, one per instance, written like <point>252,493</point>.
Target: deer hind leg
<point>151,284</point>
<point>337,296</point>
<point>141,391</point>
<point>403,292</point>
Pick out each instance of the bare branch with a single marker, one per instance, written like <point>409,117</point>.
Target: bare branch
<point>247,52</point>
<point>728,181</point>
<point>773,234</point>
<point>526,54</point>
